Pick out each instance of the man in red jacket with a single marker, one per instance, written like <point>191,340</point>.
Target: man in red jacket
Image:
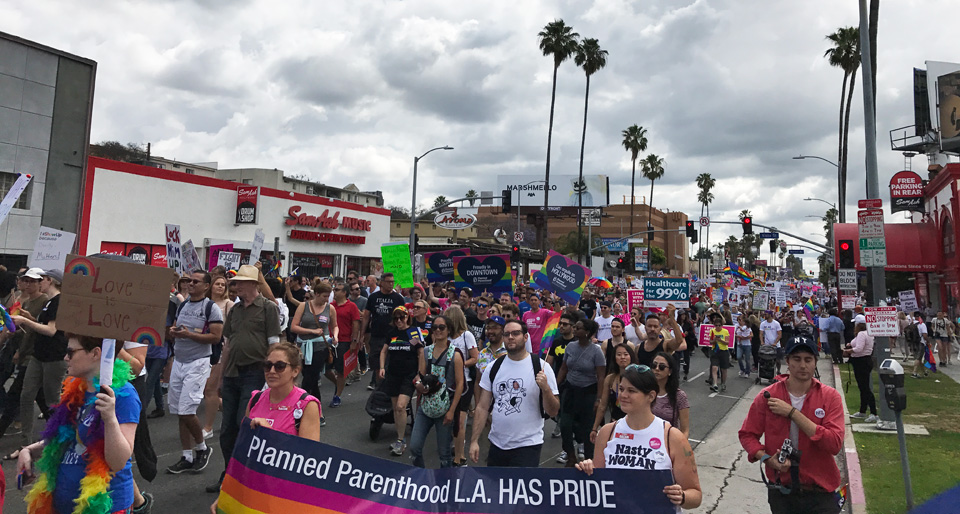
<point>809,414</point>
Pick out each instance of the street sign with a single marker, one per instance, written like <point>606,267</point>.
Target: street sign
<point>590,218</point>
<point>658,292</point>
<point>704,221</point>
<point>518,237</point>
<point>760,262</point>
<point>848,301</point>
<point>847,279</point>
<point>769,235</point>
<point>872,203</point>
<point>796,252</point>
<point>882,321</point>
<point>873,251</point>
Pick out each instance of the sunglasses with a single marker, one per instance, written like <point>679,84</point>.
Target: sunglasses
<point>482,306</point>
<point>513,333</point>
<point>564,324</point>
<point>279,366</point>
<point>439,327</point>
<point>661,366</point>
<point>71,351</point>
<point>400,317</point>
<point>195,281</point>
<point>641,368</point>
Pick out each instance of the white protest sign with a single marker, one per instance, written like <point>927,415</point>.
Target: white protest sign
<point>256,247</point>
<point>781,299</point>
<point>761,300</point>
<point>191,260</point>
<point>18,187</point>
<point>881,321</point>
<point>51,249</point>
<point>229,260</point>
<point>174,250</point>
<point>908,301</point>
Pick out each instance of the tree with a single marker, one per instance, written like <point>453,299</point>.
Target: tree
<point>657,256</point>
<point>592,59</point>
<point>703,254</point>
<point>829,219</point>
<point>634,141</point>
<point>572,244</point>
<point>399,213</point>
<point>438,201</point>
<point>796,267</point>
<point>472,195</point>
<point>845,54</point>
<point>652,167</point>
<point>705,182</point>
<point>117,151</point>
<point>557,39</point>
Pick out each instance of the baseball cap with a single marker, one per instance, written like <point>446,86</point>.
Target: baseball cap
<point>34,273</point>
<point>860,319</point>
<point>55,274</point>
<point>498,320</point>
<point>801,344</point>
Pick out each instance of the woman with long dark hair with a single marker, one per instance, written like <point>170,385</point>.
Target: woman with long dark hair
<point>671,403</point>
<point>617,338</point>
<point>624,355</point>
<point>636,430</point>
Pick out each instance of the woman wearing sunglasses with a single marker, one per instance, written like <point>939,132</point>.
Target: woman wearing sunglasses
<point>671,404</point>
<point>399,364</point>
<point>639,427</point>
<point>624,355</point>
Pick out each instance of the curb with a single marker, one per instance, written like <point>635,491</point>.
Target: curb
<point>857,498</point>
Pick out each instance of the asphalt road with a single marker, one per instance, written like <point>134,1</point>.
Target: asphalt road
<point>348,427</point>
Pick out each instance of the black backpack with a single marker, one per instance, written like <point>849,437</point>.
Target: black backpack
<point>207,309</point>
<point>912,334</point>
<point>536,371</point>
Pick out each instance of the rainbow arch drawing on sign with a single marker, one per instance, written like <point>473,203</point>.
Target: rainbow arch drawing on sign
<point>147,336</point>
<point>81,266</point>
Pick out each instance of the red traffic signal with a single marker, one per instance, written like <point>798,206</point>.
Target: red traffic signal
<point>747,224</point>
<point>691,229</point>
<point>844,246</point>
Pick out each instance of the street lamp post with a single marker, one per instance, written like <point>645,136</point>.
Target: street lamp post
<point>841,187</point>
<point>413,202</point>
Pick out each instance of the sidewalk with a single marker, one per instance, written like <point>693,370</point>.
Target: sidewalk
<point>730,483</point>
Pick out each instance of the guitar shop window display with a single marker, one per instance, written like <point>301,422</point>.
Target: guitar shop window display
<point>801,422</point>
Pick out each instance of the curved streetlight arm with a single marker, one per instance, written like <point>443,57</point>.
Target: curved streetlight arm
<point>801,157</point>
<point>433,150</point>
<point>832,205</point>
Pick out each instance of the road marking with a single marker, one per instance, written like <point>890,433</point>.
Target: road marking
<point>713,395</point>
<point>551,459</point>
<point>698,375</point>
<point>694,440</point>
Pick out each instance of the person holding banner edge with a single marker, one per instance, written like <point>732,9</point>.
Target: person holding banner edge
<point>621,443</point>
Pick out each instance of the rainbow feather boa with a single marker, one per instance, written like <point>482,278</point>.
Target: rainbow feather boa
<point>60,433</point>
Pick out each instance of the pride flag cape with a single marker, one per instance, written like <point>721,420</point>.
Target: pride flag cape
<point>550,331</point>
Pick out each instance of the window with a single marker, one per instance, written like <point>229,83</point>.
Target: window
<point>248,181</point>
<point>949,243</point>
<point>6,182</point>
<point>189,171</point>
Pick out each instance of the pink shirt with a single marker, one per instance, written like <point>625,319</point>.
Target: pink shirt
<point>281,415</point>
<point>536,323</point>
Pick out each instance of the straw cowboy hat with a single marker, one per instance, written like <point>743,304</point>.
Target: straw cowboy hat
<point>247,273</point>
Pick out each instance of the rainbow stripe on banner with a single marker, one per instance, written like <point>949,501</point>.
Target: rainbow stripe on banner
<point>273,472</point>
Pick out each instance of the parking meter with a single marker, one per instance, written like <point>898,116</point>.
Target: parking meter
<point>891,376</point>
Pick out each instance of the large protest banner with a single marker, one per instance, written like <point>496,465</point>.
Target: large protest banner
<point>663,291</point>
<point>704,331</point>
<point>396,260</point>
<point>563,276</point>
<point>483,273</point>
<point>275,472</point>
<point>114,300</point>
<point>174,249</point>
<point>439,265</point>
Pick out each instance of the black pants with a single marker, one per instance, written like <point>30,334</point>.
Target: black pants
<point>755,350</point>
<point>523,457</point>
<point>836,346</point>
<point>687,356</point>
<point>11,408</point>
<point>862,367</point>
<point>312,372</point>
<point>576,419</point>
<point>236,394</point>
<point>373,360</point>
<point>803,502</point>
<point>143,452</point>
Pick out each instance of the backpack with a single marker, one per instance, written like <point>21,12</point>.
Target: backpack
<point>296,417</point>
<point>207,309</point>
<point>912,334</point>
<point>437,404</point>
<point>536,371</point>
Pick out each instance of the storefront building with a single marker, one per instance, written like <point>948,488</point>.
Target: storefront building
<point>126,208</point>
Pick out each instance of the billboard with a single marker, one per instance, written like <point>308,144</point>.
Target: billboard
<point>528,190</point>
<point>906,192</point>
<point>948,94</point>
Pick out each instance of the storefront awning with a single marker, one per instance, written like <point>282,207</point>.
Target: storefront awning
<point>912,247</point>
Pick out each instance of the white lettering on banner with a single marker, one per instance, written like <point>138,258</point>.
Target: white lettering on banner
<point>174,250</point>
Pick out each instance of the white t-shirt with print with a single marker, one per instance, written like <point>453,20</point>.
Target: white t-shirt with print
<point>515,421</point>
<point>770,329</point>
<point>603,327</point>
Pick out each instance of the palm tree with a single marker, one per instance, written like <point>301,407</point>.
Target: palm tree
<point>705,182</point>
<point>652,168</point>
<point>592,59</point>
<point>438,201</point>
<point>845,55</point>
<point>559,40</point>
<point>472,196</point>
<point>634,141</point>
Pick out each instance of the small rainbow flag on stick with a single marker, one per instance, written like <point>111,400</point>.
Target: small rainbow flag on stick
<point>275,268</point>
<point>6,322</point>
<point>808,309</point>
<point>550,331</point>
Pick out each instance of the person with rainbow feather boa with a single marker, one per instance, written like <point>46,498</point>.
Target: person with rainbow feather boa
<point>82,463</point>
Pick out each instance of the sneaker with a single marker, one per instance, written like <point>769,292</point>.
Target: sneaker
<point>182,465</point>
<point>723,388</point>
<point>201,459</point>
<point>580,451</point>
<point>715,389</point>
<point>207,434</point>
<point>335,402</point>
<point>916,376</point>
<point>323,421</point>
<point>684,377</point>
<point>370,387</point>
<point>215,488</point>
<point>157,413</point>
<point>397,448</point>
<point>146,507</point>
<point>858,415</point>
<point>556,432</point>
<point>562,458</point>
<point>873,418</point>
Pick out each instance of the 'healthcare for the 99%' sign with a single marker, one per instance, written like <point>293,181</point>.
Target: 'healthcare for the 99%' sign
<point>660,291</point>
<point>274,472</point>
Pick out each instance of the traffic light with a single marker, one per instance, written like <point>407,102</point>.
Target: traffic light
<point>691,230</point>
<point>416,243</point>
<point>621,263</point>
<point>773,245</point>
<point>693,238</point>
<point>747,224</point>
<point>649,232</point>
<point>515,254</point>
<point>845,254</point>
<point>507,201</point>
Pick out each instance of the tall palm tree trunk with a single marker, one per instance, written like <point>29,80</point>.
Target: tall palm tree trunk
<point>846,133</point>
<point>583,143</point>
<point>840,181</point>
<point>650,225</point>
<point>546,178</point>
<point>633,177</point>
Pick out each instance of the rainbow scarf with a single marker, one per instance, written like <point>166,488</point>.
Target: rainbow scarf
<point>60,434</point>
<point>550,331</point>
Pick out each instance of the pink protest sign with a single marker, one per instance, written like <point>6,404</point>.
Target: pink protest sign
<point>704,330</point>
<point>634,299</point>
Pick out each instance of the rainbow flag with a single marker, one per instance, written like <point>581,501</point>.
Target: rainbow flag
<point>275,267</point>
<point>808,309</point>
<point>550,332</point>
<point>6,322</point>
<point>929,362</point>
<point>735,270</point>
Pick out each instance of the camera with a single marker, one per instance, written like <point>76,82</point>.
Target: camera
<point>787,451</point>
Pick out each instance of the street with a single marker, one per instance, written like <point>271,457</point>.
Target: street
<point>348,427</point>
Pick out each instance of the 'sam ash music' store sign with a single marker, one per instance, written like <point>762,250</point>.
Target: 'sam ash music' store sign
<point>325,220</point>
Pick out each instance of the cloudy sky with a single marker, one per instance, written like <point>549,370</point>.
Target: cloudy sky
<point>350,91</point>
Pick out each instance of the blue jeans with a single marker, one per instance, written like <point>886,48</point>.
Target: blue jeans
<point>236,393</point>
<point>743,357</point>
<point>154,373</point>
<point>421,427</point>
